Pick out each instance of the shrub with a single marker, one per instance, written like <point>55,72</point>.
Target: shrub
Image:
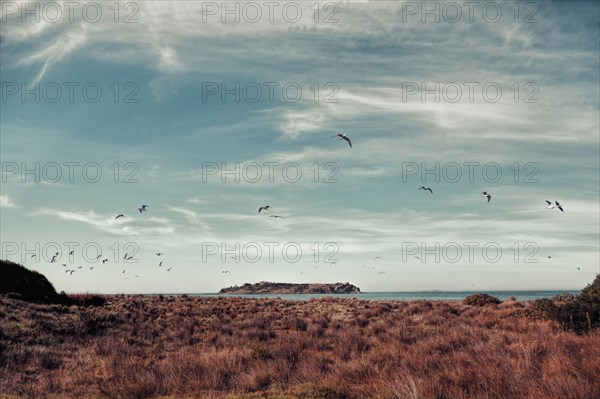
<point>591,293</point>
<point>86,300</point>
<point>564,297</point>
<point>579,313</point>
<point>481,300</point>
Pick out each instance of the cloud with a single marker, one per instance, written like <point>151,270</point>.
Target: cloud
<point>108,223</point>
<point>6,201</point>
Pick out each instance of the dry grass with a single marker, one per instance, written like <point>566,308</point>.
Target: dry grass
<point>241,348</point>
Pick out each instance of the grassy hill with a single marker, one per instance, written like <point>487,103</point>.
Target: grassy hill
<point>27,285</point>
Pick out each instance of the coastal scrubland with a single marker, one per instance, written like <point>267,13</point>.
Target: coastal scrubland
<point>134,347</point>
<point>330,348</point>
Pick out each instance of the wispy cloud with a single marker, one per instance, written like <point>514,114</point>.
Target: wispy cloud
<point>108,223</point>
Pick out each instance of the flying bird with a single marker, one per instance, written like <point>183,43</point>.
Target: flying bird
<point>123,271</point>
<point>120,215</point>
<point>80,267</point>
<point>159,254</point>
<point>129,258</point>
<point>160,264</point>
<point>277,216</point>
<point>377,257</point>
<point>266,207</point>
<point>125,257</point>
<point>486,195</point>
<point>225,271</point>
<point>72,252</point>
<point>70,271</point>
<point>426,189</point>
<point>343,136</point>
<point>53,259</point>
<point>33,256</point>
<point>144,208</point>
<point>381,273</point>
<point>169,269</point>
<point>579,268</point>
<point>92,267</point>
<point>64,265</point>
<point>555,205</point>
<point>104,260</point>
<point>368,267</point>
<point>98,257</point>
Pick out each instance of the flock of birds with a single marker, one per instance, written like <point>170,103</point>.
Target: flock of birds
<point>341,136</point>
<point>127,257</point>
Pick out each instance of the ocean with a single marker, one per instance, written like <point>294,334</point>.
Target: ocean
<point>405,296</point>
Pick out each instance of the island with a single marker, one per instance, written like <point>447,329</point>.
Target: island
<point>265,287</point>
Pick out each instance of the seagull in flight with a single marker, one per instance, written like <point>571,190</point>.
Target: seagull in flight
<point>104,260</point>
<point>169,269</point>
<point>579,268</point>
<point>225,271</point>
<point>266,207</point>
<point>72,252</point>
<point>64,265</point>
<point>557,205</point>
<point>159,254</point>
<point>129,258</point>
<point>368,267</point>
<point>33,256</point>
<point>486,195</point>
<point>381,273</point>
<point>92,267</point>
<point>53,259</point>
<point>426,189</point>
<point>160,264</point>
<point>343,136</point>
<point>70,271</point>
<point>377,257</point>
<point>125,257</point>
<point>120,215</point>
<point>144,208</point>
<point>277,216</point>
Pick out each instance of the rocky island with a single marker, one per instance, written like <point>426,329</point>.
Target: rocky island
<point>265,287</point>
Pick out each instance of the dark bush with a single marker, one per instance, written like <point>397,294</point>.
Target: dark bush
<point>564,297</point>
<point>86,300</point>
<point>481,300</point>
<point>579,313</point>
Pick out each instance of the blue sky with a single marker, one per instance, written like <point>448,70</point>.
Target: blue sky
<point>371,57</point>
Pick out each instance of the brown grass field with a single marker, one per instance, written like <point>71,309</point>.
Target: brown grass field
<point>331,348</point>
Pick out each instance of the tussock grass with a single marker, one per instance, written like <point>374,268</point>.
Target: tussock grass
<point>134,347</point>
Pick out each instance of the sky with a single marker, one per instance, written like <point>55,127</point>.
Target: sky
<point>206,111</point>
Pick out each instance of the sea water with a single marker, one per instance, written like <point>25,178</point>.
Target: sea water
<point>403,296</point>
